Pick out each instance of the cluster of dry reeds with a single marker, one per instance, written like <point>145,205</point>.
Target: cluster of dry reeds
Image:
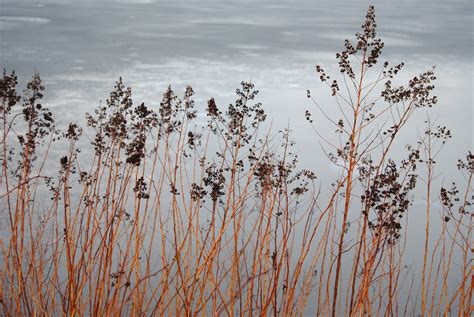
<point>170,212</point>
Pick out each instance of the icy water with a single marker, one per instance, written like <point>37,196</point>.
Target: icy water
<point>80,48</point>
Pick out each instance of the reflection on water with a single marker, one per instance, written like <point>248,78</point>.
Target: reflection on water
<point>80,49</point>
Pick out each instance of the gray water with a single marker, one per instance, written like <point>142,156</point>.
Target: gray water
<point>81,47</point>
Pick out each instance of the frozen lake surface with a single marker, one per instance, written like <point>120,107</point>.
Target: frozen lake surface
<point>81,47</point>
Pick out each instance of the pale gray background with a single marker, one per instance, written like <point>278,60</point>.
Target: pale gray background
<point>81,47</point>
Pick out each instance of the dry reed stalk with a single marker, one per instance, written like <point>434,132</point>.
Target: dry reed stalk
<point>163,216</point>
